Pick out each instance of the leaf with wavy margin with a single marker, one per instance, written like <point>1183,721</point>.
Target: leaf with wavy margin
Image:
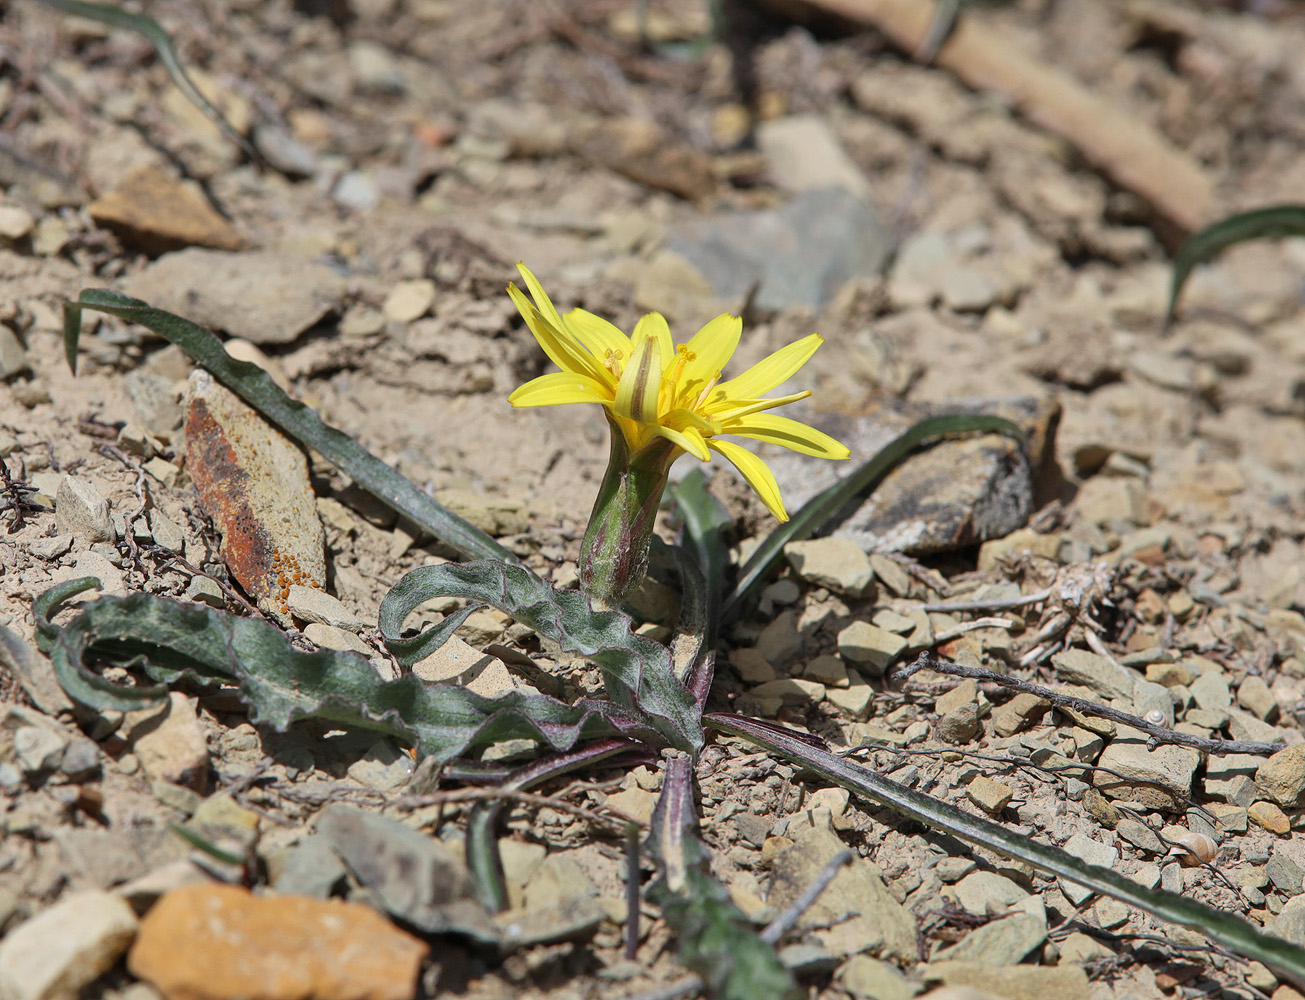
<point>637,672</point>
<point>282,684</point>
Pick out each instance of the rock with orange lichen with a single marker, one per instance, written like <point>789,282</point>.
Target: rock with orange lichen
<point>253,482</point>
<point>220,942</point>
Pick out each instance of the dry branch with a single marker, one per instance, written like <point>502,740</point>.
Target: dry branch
<point>1128,151</point>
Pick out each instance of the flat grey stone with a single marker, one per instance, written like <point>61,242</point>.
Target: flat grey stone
<point>155,399</point>
<point>39,748</point>
<point>1290,923</point>
<point>807,959</point>
<point>286,153</point>
<point>960,725</point>
<point>383,766</point>
<point>166,532</point>
<point>870,979</point>
<point>412,876</point>
<point>81,759</point>
<point>1284,873</point>
<point>571,919</point>
<point>99,858</point>
<point>80,510</point>
<point>13,356</point>
<point>50,547</point>
<point>204,590</point>
<point>1158,779</point>
<point>985,894</point>
<point>803,252</point>
<point>870,648</point>
<point>1000,943</point>
<point>267,297</point>
<point>950,496</point>
<point>1281,778</point>
<point>1244,726</point>
<point>1078,666</point>
<point>313,605</point>
<point>1140,836</point>
<point>1094,853</point>
<point>836,563</point>
<point>856,913</point>
<point>1210,692</point>
<point>806,154</point>
<point>1149,697</point>
<point>310,868</point>
<point>964,289</point>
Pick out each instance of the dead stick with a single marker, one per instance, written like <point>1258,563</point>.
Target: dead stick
<point>1158,734</point>
<point>1128,151</point>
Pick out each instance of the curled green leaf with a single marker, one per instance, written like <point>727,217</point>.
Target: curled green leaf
<point>1273,222</point>
<point>637,672</point>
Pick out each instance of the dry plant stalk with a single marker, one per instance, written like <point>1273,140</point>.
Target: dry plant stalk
<point>1126,150</point>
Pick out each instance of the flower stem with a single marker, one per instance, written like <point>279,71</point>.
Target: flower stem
<point>614,554</point>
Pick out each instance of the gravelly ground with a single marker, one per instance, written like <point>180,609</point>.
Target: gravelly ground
<point>422,147</point>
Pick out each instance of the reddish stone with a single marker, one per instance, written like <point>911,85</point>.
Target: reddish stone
<point>253,482</point>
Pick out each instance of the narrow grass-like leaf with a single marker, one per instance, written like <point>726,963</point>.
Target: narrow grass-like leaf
<point>1273,222</point>
<point>820,510</point>
<point>705,523</point>
<point>637,672</point>
<point>256,388</point>
<point>152,32</point>
<point>1227,929</point>
<point>483,857</point>
<point>202,843</point>
<point>714,938</point>
<point>703,583</point>
<point>282,684</point>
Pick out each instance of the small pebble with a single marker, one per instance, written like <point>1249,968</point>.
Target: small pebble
<point>1270,817</point>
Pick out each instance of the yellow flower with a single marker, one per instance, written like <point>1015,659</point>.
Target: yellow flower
<point>652,389</point>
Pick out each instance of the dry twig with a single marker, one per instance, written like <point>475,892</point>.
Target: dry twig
<point>1156,734</point>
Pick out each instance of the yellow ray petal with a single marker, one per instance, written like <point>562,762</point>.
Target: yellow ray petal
<point>682,419</point>
<point>598,335</point>
<point>559,388</point>
<point>771,371</point>
<point>787,433</point>
<point>709,348</point>
<point>654,325</point>
<point>756,472</point>
<point>542,302</point>
<point>641,381</point>
<point>732,409</point>
<point>562,349</point>
<point>691,440</point>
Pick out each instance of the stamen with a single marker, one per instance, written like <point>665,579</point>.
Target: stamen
<point>613,361</point>
<point>706,390</point>
<point>671,382</point>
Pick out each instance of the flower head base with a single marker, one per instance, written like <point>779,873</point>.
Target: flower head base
<point>657,394</point>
